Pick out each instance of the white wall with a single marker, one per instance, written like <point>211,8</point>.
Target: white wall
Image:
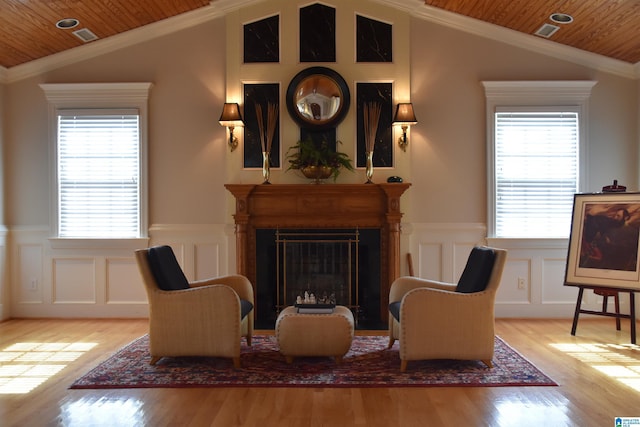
<point>445,208</point>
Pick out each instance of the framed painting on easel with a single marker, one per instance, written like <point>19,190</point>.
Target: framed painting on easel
<point>604,253</point>
<point>604,243</point>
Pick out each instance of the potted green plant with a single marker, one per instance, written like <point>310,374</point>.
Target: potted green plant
<point>317,161</point>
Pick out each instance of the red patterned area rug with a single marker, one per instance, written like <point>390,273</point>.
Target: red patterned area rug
<point>368,364</point>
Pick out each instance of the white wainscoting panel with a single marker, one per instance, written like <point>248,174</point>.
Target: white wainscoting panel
<point>553,289</point>
<point>74,280</point>
<point>207,261</point>
<point>442,248</point>
<point>124,284</point>
<point>202,250</point>
<point>50,278</point>
<point>541,263</point>
<point>515,272</point>
<point>532,282</point>
<point>430,261</point>
<point>30,283</point>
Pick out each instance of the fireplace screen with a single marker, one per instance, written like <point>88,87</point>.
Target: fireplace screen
<point>321,266</point>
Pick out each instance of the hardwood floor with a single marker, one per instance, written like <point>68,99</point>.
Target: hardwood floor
<point>598,373</point>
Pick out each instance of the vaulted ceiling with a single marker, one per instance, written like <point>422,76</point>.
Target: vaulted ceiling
<point>28,32</point>
<point>607,27</point>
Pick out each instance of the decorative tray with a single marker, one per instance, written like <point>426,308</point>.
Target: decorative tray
<point>314,305</point>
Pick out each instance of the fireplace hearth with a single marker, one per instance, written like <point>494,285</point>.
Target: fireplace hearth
<point>372,211</point>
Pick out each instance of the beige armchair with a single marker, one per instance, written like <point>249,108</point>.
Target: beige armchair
<point>200,318</point>
<point>436,320</point>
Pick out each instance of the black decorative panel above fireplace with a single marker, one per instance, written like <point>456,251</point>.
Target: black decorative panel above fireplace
<point>262,94</point>
<point>317,33</point>
<point>374,40</point>
<point>380,93</point>
<point>262,40</point>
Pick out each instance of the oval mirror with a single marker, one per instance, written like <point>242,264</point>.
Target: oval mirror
<point>318,98</point>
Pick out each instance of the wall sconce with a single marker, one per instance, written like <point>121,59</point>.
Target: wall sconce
<point>231,118</point>
<point>405,118</point>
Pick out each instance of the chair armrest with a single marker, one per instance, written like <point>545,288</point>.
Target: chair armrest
<point>402,285</point>
<point>427,306</point>
<point>201,304</point>
<point>240,284</point>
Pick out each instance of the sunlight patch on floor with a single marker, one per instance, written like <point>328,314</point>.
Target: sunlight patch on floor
<point>525,414</point>
<point>104,411</point>
<point>26,365</point>
<point>618,361</point>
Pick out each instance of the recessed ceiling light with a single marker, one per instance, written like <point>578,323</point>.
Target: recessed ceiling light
<point>65,24</point>
<point>561,18</point>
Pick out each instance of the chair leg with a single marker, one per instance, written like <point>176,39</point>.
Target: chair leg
<point>236,363</point>
<point>248,337</point>
<point>403,365</point>
<point>391,341</point>
<point>489,363</point>
<point>154,360</point>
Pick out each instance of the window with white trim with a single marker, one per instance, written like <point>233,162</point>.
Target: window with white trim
<point>99,160</point>
<point>537,142</point>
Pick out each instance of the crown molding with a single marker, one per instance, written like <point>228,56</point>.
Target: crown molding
<point>533,43</point>
<point>214,10</point>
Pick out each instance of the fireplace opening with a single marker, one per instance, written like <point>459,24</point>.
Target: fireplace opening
<point>335,265</point>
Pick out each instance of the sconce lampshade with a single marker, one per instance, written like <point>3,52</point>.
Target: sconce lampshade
<point>405,115</point>
<point>231,116</point>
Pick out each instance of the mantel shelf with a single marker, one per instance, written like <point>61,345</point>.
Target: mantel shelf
<point>317,206</point>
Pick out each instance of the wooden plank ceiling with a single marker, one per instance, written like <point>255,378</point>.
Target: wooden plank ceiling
<point>607,27</point>
<point>28,32</point>
<point>28,27</point>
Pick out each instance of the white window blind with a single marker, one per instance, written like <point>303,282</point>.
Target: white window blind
<point>98,166</point>
<point>536,172</point>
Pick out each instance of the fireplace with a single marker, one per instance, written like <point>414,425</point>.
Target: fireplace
<point>340,266</point>
<point>269,217</point>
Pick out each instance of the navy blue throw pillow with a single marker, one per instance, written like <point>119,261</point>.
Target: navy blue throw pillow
<point>245,308</point>
<point>394,309</point>
<point>166,270</point>
<point>477,272</point>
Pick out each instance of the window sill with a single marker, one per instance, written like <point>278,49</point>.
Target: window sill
<point>528,243</point>
<point>69,243</point>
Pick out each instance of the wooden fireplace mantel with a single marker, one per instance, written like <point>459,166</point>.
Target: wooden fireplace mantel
<point>327,206</point>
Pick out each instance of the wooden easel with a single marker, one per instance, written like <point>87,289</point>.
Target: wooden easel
<point>606,292</point>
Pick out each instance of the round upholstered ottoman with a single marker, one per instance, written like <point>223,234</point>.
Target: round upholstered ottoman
<point>301,334</point>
